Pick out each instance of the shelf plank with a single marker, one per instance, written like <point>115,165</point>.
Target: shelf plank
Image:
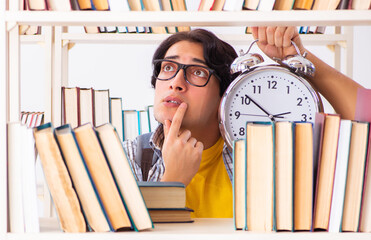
<point>144,38</point>
<point>183,18</point>
<point>202,228</point>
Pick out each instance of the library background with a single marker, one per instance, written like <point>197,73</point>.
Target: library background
<point>49,45</point>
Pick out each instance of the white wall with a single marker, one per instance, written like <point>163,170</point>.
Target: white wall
<point>126,69</point>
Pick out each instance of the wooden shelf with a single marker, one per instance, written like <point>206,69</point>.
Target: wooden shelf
<point>211,18</point>
<point>202,228</point>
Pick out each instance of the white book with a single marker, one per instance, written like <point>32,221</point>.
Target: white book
<point>16,217</point>
<point>29,200</point>
<point>192,5</point>
<point>266,5</point>
<point>116,116</point>
<point>101,107</point>
<point>338,192</point>
<point>131,124</point>
<point>233,5</point>
<point>152,121</point>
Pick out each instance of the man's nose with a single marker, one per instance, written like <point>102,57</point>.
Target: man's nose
<point>179,82</point>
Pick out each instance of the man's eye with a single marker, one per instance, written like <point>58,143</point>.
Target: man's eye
<point>200,73</point>
<point>168,68</point>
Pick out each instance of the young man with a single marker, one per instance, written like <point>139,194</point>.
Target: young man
<point>191,72</point>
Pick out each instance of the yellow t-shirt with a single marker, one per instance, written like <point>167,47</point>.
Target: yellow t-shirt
<point>209,193</point>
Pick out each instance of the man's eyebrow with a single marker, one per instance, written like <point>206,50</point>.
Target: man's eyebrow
<point>175,57</point>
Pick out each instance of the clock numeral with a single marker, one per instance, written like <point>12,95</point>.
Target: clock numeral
<point>237,114</point>
<point>242,131</point>
<point>288,89</point>
<point>245,100</point>
<point>300,100</point>
<point>272,84</point>
<point>257,89</point>
<point>304,119</point>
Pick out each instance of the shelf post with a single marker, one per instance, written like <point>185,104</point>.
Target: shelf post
<point>3,118</point>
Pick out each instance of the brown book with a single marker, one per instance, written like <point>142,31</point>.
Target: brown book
<point>303,187</point>
<point>37,5</point>
<point>163,194</point>
<point>284,182</point>
<point>355,176</point>
<point>171,215</point>
<point>102,177</point>
<point>303,4</point>
<point>259,175</point>
<point>85,188</point>
<point>239,193</point>
<point>59,182</point>
<point>326,171</point>
<point>206,5</point>
<point>251,4</point>
<point>283,4</point>
<point>101,5</point>
<point>123,176</point>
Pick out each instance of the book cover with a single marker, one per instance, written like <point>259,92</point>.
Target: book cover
<point>283,4</point>
<point>124,177</point>
<point>131,123</point>
<point>116,116</point>
<point>171,215</point>
<point>82,181</point>
<point>101,106</point>
<point>86,105</point>
<point>59,182</point>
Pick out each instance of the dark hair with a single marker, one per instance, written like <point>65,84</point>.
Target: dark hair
<point>218,54</point>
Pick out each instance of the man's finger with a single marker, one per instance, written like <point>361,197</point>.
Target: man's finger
<point>177,120</point>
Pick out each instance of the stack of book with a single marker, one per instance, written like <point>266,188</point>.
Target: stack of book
<point>292,176</point>
<point>166,201</point>
<point>90,179</point>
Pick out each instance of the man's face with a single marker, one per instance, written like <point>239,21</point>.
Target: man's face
<point>203,102</point>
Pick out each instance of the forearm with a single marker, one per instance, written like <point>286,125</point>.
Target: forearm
<point>337,88</point>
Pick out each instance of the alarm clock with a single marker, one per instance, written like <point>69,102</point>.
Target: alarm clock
<point>273,92</point>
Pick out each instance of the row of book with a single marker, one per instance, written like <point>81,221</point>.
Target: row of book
<point>303,176</point>
<point>95,106</point>
<point>90,179</point>
<point>181,5</point>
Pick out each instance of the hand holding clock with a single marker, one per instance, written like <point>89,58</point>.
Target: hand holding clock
<point>181,152</point>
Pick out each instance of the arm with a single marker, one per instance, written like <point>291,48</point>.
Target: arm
<point>337,88</point>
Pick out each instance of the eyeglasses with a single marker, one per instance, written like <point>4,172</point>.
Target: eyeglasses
<point>196,75</point>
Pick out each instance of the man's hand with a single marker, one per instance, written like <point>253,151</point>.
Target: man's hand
<point>181,152</point>
<point>275,42</point>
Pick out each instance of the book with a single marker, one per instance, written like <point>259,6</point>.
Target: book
<point>326,171</point>
<point>57,177</point>
<point>116,116</point>
<point>74,5</point>
<point>131,124</point>
<point>303,187</point>
<point>171,215</point>
<point>101,106</point>
<point>123,176</point>
<point>85,188</point>
<point>219,5</point>
<point>144,122</point>
<point>260,177</point>
<point>303,4</point>
<point>153,124</point>
<point>163,194</point>
<point>16,214</point>
<point>70,106</point>
<point>59,5</point>
<point>363,113</point>
<point>284,180</point>
<point>206,5</point>
<point>154,5</point>
<point>29,193</point>
<point>355,176</point>
<point>266,5</point>
<point>239,183</point>
<point>86,5</point>
<point>37,5</point>
<point>360,4</point>
<point>250,4</point>
<point>190,5</point>
<point>283,4</point>
<point>86,105</point>
<point>101,5</point>
<point>340,177</point>
<point>102,177</point>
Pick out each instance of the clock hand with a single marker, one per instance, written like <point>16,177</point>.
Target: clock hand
<point>261,108</point>
<point>280,114</point>
<point>255,115</point>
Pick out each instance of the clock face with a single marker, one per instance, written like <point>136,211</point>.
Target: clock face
<point>269,93</point>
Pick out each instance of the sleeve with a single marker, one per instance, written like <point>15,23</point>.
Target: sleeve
<point>130,147</point>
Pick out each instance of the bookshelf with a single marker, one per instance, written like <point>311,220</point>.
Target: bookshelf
<point>56,41</point>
